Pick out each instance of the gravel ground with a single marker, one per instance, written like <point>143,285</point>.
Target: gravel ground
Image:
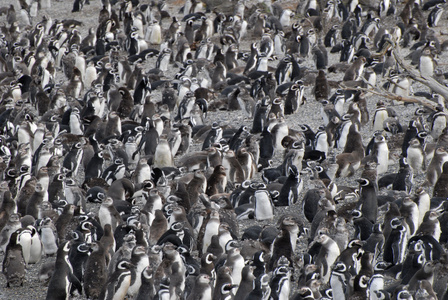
<point>309,114</point>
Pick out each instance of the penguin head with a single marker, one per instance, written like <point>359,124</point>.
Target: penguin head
<point>363,181</point>
<point>124,264</point>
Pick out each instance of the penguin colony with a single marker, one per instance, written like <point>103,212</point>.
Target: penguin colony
<point>114,173</point>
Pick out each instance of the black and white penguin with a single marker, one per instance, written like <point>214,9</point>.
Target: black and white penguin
<point>284,245</point>
<point>435,15</point>
<point>363,226</point>
<point>339,280</point>
<point>214,136</point>
<point>79,252</point>
<point>73,159</point>
<point>260,116</point>
<point>404,178</point>
<point>118,283</point>
<point>291,189</point>
<point>61,282</point>
<point>114,172</point>
<point>395,246</point>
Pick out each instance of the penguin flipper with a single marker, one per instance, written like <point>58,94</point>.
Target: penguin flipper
<point>395,252</point>
<point>76,284</point>
<point>325,266</point>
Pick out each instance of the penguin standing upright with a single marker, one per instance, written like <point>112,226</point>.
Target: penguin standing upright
<point>441,185</point>
<point>95,274</point>
<point>436,164</point>
<point>328,254</point>
<point>289,194</point>
<point>264,208</point>
<point>395,246</point>
<point>72,160</point>
<point>435,15</point>
<point>63,277</point>
<point>14,262</point>
<point>427,64</point>
<point>201,289</point>
<point>321,90</point>
<point>118,282</point>
<point>355,71</point>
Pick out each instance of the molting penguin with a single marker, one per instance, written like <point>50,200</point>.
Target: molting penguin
<point>14,262</point>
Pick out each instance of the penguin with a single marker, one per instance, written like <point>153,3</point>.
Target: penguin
<point>363,226</point>
<point>36,246</point>
<point>73,159</point>
<point>409,211</point>
<point>322,89</point>
<point>430,226</point>
<point>48,235</point>
<point>415,156</point>
<point>247,282</point>
<point>64,220</point>
<point>435,15</point>
<point>95,273</point>
<point>114,172</point>
<point>24,239</point>
<point>435,166</point>
<point>79,252</point>
<point>440,187</point>
<point>439,122</point>
<point>118,283</point>
<point>14,262</point>
<point>356,69</point>
<point>36,199</point>
<point>328,254</point>
<point>427,64</point>
<point>163,156</point>
<point>217,182</point>
<point>291,189</point>
<point>264,208</point>
<point>108,214</point>
<point>339,280</point>
<point>285,243</point>
<point>201,289</point>
<point>63,279</point>
<point>280,282</point>
<point>395,246</point>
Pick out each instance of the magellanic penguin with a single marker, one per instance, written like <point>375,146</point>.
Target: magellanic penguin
<point>435,166</point>
<point>395,246</point>
<point>290,191</point>
<point>118,283</point>
<point>264,208</point>
<point>95,274</point>
<point>355,71</point>
<point>328,254</point>
<point>441,185</point>
<point>321,89</point>
<point>63,278</point>
<point>427,64</point>
<point>14,261</point>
